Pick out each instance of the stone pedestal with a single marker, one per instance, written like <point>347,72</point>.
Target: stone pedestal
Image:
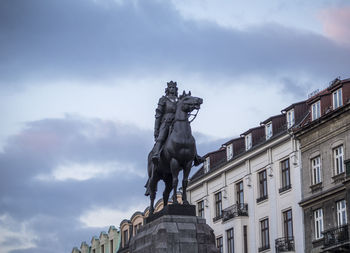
<point>174,234</point>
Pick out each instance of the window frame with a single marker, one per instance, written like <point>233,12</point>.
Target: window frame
<point>239,192</point>
<point>229,152</point>
<point>316,170</point>
<point>290,118</point>
<point>248,141</point>
<point>288,223</point>
<point>230,240</point>
<point>318,223</point>
<point>206,164</point>
<point>338,160</point>
<point>218,204</point>
<point>263,189</point>
<point>285,175</point>
<point>268,130</point>
<point>316,110</point>
<point>264,234</point>
<point>221,245</point>
<point>341,213</point>
<point>337,97</point>
<point>200,208</point>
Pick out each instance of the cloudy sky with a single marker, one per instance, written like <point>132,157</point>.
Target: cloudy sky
<point>79,82</point>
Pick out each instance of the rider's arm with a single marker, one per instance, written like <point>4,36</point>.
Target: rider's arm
<point>159,115</point>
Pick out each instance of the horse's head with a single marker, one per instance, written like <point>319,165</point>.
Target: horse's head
<point>188,103</point>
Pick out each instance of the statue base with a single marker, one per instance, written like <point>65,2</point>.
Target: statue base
<point>174,209</point>
<point>174,234</point>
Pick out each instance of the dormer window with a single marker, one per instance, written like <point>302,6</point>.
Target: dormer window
<point>206,164</point>
<point>268,130</point>
<point>316,110</point>
<point>337,99</point>
<point>290,118</point>
<point>229,152</point>
<point>248,141</point>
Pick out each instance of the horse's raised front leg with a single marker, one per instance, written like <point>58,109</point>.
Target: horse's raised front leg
<point>187,170</point>
<point>175,168</point>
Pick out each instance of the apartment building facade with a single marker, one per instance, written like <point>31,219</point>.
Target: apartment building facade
<point>249,190</point>
<point>324,141</point>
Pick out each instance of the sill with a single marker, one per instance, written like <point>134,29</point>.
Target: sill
<point>261,199</point>
<point>285,188</point>
<point>317,240</point>
<point>316,187</point>
<point>339,177</point>
<point>263,248</point>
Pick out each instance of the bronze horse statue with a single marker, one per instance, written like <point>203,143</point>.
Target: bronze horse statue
<point>177,154</point>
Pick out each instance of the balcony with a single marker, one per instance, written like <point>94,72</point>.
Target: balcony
<point>336,239</point>
<point>239,209</point>
<point>218,217</point>
<point>284,244</point>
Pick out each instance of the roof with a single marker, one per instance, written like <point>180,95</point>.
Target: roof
<point>271,118</point>
<point>250,130</point>
<point>292,106</point>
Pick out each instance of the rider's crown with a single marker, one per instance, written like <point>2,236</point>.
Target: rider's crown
<point>171,84</point>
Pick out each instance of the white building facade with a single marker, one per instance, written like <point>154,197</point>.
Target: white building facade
<point>249,190</point>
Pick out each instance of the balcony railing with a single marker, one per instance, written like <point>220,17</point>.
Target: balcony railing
<point>284,244</point>
<point>239,209</point>
<point>335,236</point>
<point>218,217</point>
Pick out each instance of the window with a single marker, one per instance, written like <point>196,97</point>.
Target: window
<point>93,251</point>
<point>337,99</point>
<point>200,208</point>
<point>262,186</point>
<point>285,172</point>
<point>316,170</point>
<point>245,239</point>
<point>268,130</point>
<point>137,228</point>
<point>318,219</point>
<point>341,213</point>
<point>111,246</point>
<point>316,110</point>
<point>125,238</point>
<point>288,224</point>
<point>102,248</point>
<point>338,160</point>
<point>230,243</point>
<point>264,235</point>
<point>240,193</point>
<point>290,118</point>
<point>219,244</point>
<point>229,152</point>
<point>248,141</point>
<point>218,205</point>
<point>206,164</point>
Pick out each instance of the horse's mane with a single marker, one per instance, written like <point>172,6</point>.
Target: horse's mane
<point>184,94</point>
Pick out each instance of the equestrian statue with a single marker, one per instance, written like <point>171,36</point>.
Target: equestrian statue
<point>175,148</point>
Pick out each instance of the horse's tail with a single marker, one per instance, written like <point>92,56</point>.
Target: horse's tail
<point>149,172</point>
<point>147,193</point>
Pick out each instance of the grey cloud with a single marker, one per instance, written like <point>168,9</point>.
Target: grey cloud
<point>86,40</point>
<point>52,208</point>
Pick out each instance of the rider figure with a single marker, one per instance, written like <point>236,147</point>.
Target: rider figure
<point>165,114</point>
